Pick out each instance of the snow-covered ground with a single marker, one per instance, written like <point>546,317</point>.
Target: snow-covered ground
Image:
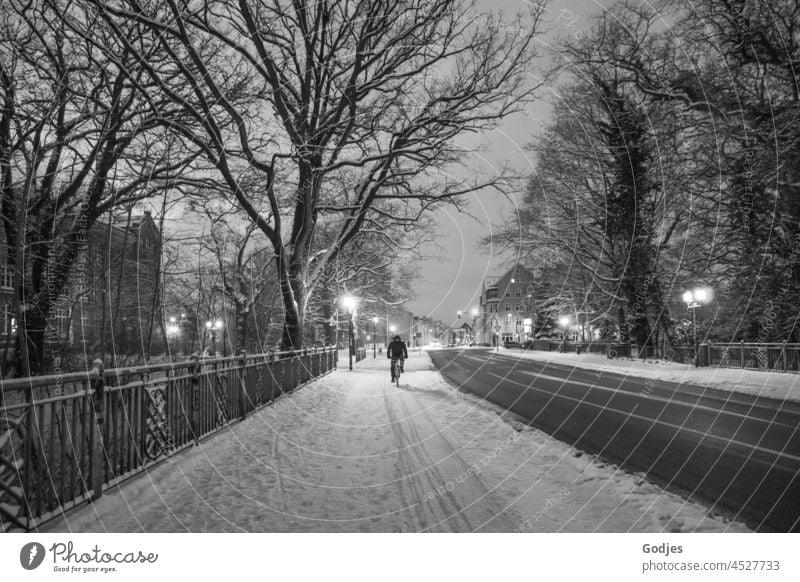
<point>353,453</point>
<point>780,386</point>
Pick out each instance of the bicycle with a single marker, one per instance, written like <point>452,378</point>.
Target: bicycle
<point>396,371</point>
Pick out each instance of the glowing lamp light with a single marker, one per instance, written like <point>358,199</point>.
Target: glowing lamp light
<point>697,296</point>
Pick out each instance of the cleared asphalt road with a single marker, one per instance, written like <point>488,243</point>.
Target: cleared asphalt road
<point>736,453</point>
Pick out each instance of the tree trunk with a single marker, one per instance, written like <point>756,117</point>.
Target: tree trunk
<point>241,327</point>
<point>292,293</point>
<point>292,323</point>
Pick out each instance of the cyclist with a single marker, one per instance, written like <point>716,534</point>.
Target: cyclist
<point>397,351</point>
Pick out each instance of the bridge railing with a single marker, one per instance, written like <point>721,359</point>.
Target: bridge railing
<point>773,357</point>
<point>65,438</point>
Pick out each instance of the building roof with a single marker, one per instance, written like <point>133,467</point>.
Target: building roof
<point>517,272</point>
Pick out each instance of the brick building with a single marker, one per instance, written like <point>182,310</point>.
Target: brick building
<point>114,279</point>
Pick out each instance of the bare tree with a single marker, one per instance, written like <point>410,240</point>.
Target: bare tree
<point>612,198</point>
<point>244,274</point>
<point>368,96</point>
<point>77,138</point>
<point>734,65</point>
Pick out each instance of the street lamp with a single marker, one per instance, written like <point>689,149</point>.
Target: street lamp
<point>564,322</point>
<point>173,331</point>
<point>374,337</point>
<point>495,324</point>
<point>694,299</point>
<point>349,303</point>
<point>213,327</point>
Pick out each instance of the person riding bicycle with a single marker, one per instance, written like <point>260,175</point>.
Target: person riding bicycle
<point>397,351</point>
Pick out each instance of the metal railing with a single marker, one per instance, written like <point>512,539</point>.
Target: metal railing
<point>63,439</point>
<point>773,357</point>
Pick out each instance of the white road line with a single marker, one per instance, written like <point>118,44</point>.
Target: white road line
<point>658,398</point>
<point>661,422</point>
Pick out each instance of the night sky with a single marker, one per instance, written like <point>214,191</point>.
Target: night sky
<point>452,282</point>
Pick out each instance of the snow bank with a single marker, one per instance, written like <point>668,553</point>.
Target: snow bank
<point>353,453</point>
<point>780,386</point>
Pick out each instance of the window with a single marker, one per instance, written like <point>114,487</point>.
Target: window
<point>60,317</point>
<point>491,294</point>
<point>519,293</point>
<point>519,306</point>
<point>7,323</point>
<point>6,276</point>
<point>519,322</point>
<point>508,307</point>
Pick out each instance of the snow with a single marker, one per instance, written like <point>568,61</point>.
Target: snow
<point>777,385</point>
<point>351,452</point>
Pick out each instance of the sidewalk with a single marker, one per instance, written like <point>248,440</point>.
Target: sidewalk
<point>777,385</point>
<point>353,453</point>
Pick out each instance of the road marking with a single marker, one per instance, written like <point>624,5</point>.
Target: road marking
<point>655,397</point>
<point>653,420</point>
<point>731,397</point>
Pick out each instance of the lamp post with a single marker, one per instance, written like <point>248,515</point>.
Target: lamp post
<point>173,332</point>
<point>374,337</point>
<point>493,322</point>
<point>213,327</point>
<point>564,323</point>
<point>695,298</point>
<point>182,327</point>
<point>349,304</point>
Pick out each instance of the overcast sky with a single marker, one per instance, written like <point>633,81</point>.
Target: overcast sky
<point>453,282</point>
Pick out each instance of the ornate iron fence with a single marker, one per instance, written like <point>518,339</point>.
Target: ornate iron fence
<point>63,439</point>
<point>773,357</point>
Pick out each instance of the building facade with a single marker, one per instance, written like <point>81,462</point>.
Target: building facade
<point>429,331</point>
<point>111,293</point>
<point>505,311</point>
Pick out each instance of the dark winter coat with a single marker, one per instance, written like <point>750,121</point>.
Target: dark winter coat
<point>397,349</point>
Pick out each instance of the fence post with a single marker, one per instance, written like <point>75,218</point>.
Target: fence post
<point>313,362</point>
<point>98,450</point>
<point>195,422</point>
<point>702,355</point>
<point>783,356</point>
<point>741,354</point>
<point>243,399</point>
